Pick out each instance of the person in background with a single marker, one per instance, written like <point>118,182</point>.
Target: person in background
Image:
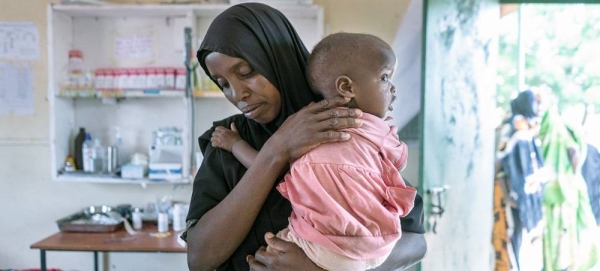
<point>591,173</point>
<point>347,197</point>
<point>570,239</point>
<point>518,181</point>
<point>257,59</point>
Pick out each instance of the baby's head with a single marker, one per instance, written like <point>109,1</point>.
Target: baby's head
<point>358,66</point>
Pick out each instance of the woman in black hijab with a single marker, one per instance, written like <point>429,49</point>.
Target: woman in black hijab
<point>257,59</point>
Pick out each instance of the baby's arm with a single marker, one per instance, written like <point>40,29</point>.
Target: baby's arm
<point>231,141</point>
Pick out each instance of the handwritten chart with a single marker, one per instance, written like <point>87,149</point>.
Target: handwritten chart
<point>19,41</point>
<point>16,89</point>
<point>137,46</point>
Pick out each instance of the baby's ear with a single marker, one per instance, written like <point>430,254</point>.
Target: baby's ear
<point>345,86</point>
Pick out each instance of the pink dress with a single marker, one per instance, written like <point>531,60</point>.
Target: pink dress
<point>348,197</point>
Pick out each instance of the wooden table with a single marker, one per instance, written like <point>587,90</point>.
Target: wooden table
<point>119,241</point>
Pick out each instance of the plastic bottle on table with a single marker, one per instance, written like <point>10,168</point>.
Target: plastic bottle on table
<point>79,139</point>
<point>99,159</point>
<point>88,154</point>
<point>178,217</point>
<point>163,222</point>
<point>136,217</point>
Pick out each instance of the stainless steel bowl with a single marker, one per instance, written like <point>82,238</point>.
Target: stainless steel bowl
<point>99,209</point>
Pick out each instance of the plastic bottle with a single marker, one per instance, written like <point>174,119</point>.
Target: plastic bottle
<point>163,222</point>
<point>136,217</point>
<point>99,161</point>
<point>78,76</point>
<point>75,69</point>
<point>178,217</point>
<point>79,139</point>
<point>88,154</point>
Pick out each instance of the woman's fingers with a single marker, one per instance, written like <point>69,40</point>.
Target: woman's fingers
<point>337,123</point>
<point>330,103</point>
<point>264,257</point>
<point>337,112</point>
<point>277,243</point>
<point>254,264</point>
<point>315,124</point>
<point>331,136</point>
<point>220,129</point>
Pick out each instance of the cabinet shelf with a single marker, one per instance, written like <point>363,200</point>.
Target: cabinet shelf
<point>113,179</point>
<point>136,93</point>
<point>149,10</point>
<point>208,94</point>
<point>130,36</point>
<point>130,93</point>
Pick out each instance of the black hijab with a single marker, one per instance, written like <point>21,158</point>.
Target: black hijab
<point>524,104</point>
<point>263,37</point>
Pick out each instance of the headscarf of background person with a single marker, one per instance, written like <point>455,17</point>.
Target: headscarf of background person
<point>570,238</point>
<point>525,105</point>
<point>524,114</point>
<point>557,138</point>
<point>263,37</point>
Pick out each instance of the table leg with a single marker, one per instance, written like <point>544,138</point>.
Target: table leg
<point>43,259</point>
<point>95,260</point>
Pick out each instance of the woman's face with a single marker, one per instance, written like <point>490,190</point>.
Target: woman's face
<point>244,87</point>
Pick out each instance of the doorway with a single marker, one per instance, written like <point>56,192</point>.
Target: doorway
<point>549,50</point>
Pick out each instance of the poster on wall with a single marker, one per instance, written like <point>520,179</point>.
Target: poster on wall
<point>16,89</point>
<point>134,47</point>
<point>19,41</point>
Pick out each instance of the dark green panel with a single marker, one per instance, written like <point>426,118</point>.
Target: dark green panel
<point>549,2</point>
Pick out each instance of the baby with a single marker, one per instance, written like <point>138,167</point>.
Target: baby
<point>347,197</point>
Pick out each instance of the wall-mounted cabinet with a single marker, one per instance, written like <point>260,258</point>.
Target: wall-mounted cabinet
<point>140,41</point>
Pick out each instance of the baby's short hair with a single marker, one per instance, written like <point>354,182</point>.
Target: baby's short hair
<point>341,54</point>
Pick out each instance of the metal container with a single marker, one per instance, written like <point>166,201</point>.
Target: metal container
<point>87,220</point>
<point>112,159</point>
<point>100,209</point>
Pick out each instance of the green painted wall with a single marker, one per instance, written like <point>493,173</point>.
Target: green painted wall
<point>458,143</point>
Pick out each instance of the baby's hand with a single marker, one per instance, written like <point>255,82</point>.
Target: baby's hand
<point>224,138</point>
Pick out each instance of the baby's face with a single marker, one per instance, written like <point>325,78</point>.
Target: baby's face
<point>375,92</point>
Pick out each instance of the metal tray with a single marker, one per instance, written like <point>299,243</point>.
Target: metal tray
<point>83,222</point>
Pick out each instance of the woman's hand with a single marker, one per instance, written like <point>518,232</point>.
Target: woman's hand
<point>408,251</point>
<point>224,138</point>
<point>315,124</point>
<point>287,256</point>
